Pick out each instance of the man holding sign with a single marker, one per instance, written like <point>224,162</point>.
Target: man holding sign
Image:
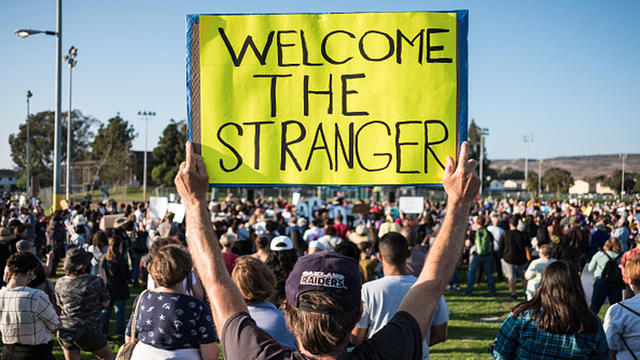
<point>323,290</point>
<point>327,99</point>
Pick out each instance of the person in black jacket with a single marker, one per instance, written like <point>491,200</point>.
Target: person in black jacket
<point>513,254</point>
<point>115,272</point>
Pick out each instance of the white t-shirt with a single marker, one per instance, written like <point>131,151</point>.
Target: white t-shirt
<point>381,299</point>
<point>496,231</point>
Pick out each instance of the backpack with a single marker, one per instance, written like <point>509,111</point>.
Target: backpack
<point>483,242</point>
<point>140,243</point>
<point>611,274</point>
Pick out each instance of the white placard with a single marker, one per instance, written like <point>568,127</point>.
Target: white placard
<point>177,210</point>
<point>411,204</point>
<point>158,207</point>
<point>295,197</point>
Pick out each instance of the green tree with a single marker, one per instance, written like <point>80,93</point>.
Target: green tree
<point>510,173</point>
<point>557,180</point>
<point>636,188</point>
<point>532,181</point>
<point>41,126</point>
<point>111,148</point>
<point>614,181</point>
<point>169,153</point>
<point>475,132</point>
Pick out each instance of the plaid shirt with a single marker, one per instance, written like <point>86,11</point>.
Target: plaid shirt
<point>26,316</point>
<point>522,339</point>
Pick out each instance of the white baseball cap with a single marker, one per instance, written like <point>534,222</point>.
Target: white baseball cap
<point>281,243</point>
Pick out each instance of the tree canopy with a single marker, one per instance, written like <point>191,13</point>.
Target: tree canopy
<point>111,147</point>
<point>41,126</point>
<point>557,180</point>
<point>169,153</point>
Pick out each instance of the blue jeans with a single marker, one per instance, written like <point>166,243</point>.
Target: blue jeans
<point>486,261</point>
<point>602,291</point>
<point>120,306</point>
<point>135,264</point>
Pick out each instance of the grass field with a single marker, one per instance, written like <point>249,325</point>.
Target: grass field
<point>474,322</point>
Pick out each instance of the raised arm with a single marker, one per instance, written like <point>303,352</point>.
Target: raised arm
<point>192,183</point>
<point>461,185</point>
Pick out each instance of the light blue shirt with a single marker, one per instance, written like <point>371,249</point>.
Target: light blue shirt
<point>621,323</point>
<point>270,319</point>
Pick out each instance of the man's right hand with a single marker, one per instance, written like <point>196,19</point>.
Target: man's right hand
<point>192,180</point>
<point>462,183</point>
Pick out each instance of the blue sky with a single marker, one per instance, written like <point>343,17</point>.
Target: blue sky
<point>565,72</point>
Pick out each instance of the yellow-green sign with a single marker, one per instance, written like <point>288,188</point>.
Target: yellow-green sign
<point>327,99</point>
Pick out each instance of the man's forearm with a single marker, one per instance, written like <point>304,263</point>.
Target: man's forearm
<point>225,297</point>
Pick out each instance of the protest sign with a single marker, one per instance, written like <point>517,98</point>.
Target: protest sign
<point>178,211</point>
<point>327,99</point>
<point>295,197</point>
<point>411,204</point>
<point>158,207</point>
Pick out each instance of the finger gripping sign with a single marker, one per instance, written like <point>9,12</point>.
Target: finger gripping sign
<point>327,99</point>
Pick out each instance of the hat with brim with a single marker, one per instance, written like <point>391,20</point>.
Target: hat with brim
<point>6,235</point>
<point>281,243</point>
<point>77,259</point>
<point>325,271</point>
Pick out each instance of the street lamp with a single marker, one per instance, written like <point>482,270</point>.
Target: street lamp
<point>526,139</point>
<point>146,116</point>
<point>23,33</point>
<point>71,60</point>
<point>29,95</point>
<point>483,132</point>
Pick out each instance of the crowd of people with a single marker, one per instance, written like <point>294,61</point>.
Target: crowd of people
<point>267,282</point>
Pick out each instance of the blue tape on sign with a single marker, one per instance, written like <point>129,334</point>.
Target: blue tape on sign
<point>463,66</point>
<point>191,19</point>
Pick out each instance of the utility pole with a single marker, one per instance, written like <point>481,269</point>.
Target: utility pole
<point>29,95</point>
<point>624,158</point>
<point>483,132</point>
<point>71,60</point>
<point>146,115</point>
<point>540,178</point>
<point>526,139</point>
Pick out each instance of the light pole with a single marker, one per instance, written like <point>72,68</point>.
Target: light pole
<point>540,178</point>
<point>624,158</point>
<point>23,33</point>
<point>483,132</point>
<point>71,60</point>
<point>526,139</point>
<point>29,95</point>
<point>146,116</point>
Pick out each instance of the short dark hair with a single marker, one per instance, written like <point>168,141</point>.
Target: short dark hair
<point>515,219</point>
<point>394,248</point>
<point>348,248</point>
<point>324,326</point>
<point>22,262</point>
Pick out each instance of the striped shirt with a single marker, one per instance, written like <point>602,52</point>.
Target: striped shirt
<point>26,316</point>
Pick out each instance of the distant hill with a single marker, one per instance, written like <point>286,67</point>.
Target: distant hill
<point>580,167</point>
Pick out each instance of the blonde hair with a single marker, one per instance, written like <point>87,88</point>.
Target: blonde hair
<point>613,244</point>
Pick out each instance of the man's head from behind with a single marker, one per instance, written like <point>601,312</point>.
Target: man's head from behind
<point>394,249</point>
<point>323,301</point>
